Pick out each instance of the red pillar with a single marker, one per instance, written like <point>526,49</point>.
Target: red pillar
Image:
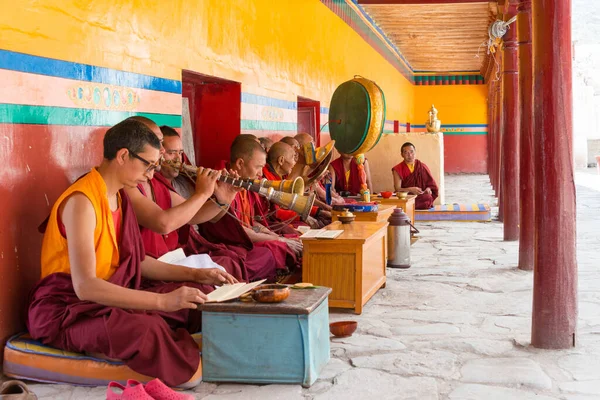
<point>500,133</point>
<point>555,272</point>
<point>527,190</point>
<point>510,138</point>
<point>490,135</point>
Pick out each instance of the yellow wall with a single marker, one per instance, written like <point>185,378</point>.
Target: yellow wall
<point>282,49</point>
<point>457,104</point>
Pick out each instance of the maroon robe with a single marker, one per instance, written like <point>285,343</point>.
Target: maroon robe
<point>340,184</point>
<point>229,230</point>
<point>421,178</point>
<point>245,264</point>
<point>155,344</point>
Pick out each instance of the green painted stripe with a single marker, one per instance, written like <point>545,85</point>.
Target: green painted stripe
<point>45,115</point>
<point>248,124</point>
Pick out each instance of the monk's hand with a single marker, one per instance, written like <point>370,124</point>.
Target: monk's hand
<point>313,223</point>
<point>206,181</point>
<point>224,192</point>
<point>293,244</point>
<point>427,190</point>
<point>178,299</point>
<point>415,190</point>
<point>214,276</point>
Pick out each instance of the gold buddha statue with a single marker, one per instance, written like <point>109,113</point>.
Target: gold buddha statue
<point>433,124</point>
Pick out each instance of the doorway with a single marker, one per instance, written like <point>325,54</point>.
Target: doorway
<point>215,113</point>
<point>309,118</point>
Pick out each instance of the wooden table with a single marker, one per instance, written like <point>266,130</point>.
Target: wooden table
<point>407,204</point>
<point>381,215</point>
<point>352,265</point>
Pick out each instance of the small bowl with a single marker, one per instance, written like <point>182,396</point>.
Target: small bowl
<point>402,195</point>
<point>343,328</point>
<point>270,293</point>
<point>386,195</point>
<point>347,219</point>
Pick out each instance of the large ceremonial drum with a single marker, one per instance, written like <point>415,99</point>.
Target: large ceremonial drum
<point>357,116</point>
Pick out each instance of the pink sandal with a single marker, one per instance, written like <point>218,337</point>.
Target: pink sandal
<point>160,391</point>
<point>136,392</point>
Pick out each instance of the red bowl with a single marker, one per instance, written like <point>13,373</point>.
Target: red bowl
<point>386,195</point>
<point>343,328</point>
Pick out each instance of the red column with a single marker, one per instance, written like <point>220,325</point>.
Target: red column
<point>555,271</point>
<point>527,179</point>
<point>490,135</point>
<point>500,133</point>
<point>510,137</point>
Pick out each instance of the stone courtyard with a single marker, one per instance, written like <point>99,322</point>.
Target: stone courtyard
<point>454,326</point>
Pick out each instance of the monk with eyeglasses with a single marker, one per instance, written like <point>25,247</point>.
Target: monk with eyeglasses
<point>99,293</point>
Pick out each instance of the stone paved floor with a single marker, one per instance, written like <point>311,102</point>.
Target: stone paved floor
<point>454,326</point>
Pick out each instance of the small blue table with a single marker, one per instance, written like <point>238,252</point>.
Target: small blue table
<point>285,342</point>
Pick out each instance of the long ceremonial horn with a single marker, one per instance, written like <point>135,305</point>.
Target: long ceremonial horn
<point>291,201</point>
<point>287,186</point>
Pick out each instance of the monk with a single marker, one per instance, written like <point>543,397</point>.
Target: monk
<point>266,143</point>
<point>251,211</point>
<point>301,169</point>
<point>244,261</point>
<point>345,175</point>
<point>99,294</point>
<point>294,143</point>
<point>280,161</point>
<point>165,217</point>
<point>413,176</point>
<point>243,136</point>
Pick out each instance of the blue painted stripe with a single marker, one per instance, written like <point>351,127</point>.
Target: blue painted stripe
<point>250,98</point>
<point>324,110</point>
<point>64,69</point>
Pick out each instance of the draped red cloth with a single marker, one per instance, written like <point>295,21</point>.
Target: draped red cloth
<point>340,184</point>
<point>152,343</point>
<point>248,206</point>
<point>245,263</point>
<point>420,177</point>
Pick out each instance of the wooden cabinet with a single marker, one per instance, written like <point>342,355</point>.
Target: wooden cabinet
<point>352,265</point>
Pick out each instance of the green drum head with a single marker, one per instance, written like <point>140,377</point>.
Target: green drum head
<point>351,105</point>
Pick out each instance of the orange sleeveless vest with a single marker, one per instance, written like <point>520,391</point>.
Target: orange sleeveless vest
<point>55,254</point>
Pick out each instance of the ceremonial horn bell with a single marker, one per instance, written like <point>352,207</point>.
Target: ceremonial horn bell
<point>291,201</point>
<point>317,161</point>
<point>287,186</point>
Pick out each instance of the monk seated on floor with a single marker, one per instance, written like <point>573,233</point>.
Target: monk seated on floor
<point>165,218</point>
<point>413,176</point>
<point>345,175</point>
<point>250,210</point>
<point>301,169</point>
<point>99,294</point>
<point>280,161</point>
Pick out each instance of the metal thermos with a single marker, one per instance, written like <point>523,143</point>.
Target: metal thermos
<point>398,240</point>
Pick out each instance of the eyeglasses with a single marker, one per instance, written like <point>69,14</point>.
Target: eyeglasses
<point>151,166</point>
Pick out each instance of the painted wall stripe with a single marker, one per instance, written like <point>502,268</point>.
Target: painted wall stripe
<point>43,115</point>
<point>268,125</point>
<point>83,72</point>
<point>268,101</point>
<point>268,113</point>
<point>43,90</point>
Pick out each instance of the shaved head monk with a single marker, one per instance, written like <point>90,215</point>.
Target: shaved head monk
<point>345,175</point>
<point>280,160</point>
<point>250,210</point>
<point>99,293</point>
<point>243,261</point>
<point>224,164</point>
<point>413,176</point>
<point>266,143</point>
